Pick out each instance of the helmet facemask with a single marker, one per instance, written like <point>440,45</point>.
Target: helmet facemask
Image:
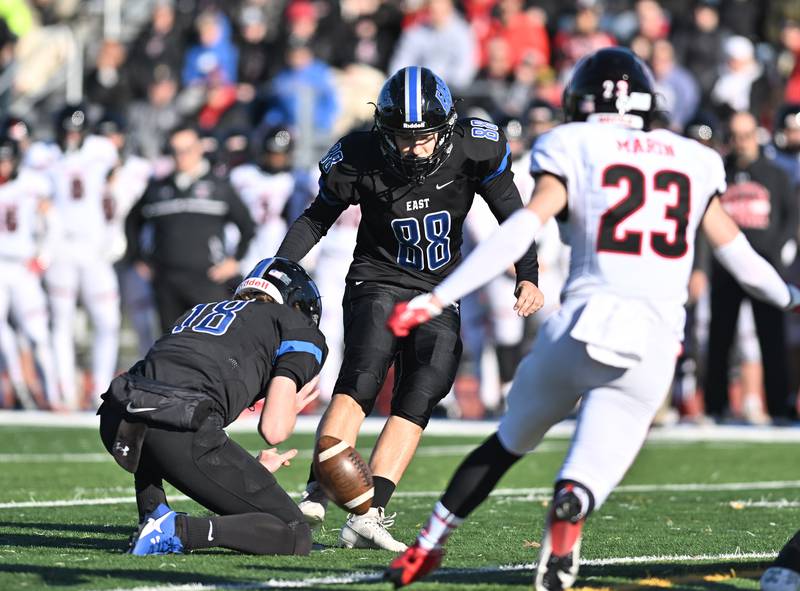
<point>414,102</point>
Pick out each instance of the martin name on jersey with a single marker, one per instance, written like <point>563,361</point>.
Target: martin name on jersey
<point>635,200</point>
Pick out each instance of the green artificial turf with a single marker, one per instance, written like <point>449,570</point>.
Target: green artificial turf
<point>651,537</point>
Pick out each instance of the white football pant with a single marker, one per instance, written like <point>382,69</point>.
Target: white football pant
<point>617,405</point>
<point>21,293</point>
<point>96,282</point>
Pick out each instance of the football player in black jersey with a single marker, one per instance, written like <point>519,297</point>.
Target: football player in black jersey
<point>414,175</point>
<point>164,418</point>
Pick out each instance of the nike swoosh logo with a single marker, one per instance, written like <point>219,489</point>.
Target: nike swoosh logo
<point>438,186</point>
<point>133,409</point>
<point>358,282</point>
<point>210,531</point>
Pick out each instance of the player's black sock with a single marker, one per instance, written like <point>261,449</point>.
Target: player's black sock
<point>384,489</point>
<point>508,358</point>
<point>477,476</point>
<point>148,498</point>
<point>311,477</point>
<point>789,556</point>
<point>253,533</point>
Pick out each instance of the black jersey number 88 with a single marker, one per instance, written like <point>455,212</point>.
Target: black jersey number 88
<point>436,228</point>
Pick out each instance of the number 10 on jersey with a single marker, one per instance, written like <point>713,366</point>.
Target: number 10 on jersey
<point>410,253</point>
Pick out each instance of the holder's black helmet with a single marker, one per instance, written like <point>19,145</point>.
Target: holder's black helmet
<point>611,80</point>
<point>414,102</point>
<point>285,282</point>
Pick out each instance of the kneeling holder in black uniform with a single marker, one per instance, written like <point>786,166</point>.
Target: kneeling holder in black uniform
<point>145,402</point>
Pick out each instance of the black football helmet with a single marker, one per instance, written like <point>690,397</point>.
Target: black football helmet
<point>285,282</point>
<point>277,140</point>
<point>9,148</point>
<point>71,118</point>
<point>611,80</point>
<point>18,129</point>
<point>786,119</point>
<point>414,102</point>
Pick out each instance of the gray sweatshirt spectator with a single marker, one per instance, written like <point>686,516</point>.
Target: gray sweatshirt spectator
<point>444,43</point>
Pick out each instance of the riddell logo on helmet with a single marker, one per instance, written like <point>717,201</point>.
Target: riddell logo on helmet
<point>413,125</point>
<point>256,282</point>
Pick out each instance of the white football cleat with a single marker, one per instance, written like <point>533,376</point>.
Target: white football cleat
<point>778,578</point>
<point>369,531</point>
<point>313,504</point>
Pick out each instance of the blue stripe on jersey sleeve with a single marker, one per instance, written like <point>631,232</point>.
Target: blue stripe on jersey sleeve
<point>502,167</point>
<point>299,347</point>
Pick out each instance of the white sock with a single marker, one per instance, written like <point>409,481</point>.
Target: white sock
<point>440,525</point>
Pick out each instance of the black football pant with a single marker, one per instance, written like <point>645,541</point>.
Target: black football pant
<point>175,292</point>
<point>256,515</point>
<point>726,298</point>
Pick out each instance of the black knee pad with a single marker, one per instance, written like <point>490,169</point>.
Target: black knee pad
<point>302,537</point>
<point>362,390</point>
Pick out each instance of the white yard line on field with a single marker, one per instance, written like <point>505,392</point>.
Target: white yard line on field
<point>534,493</point>
<point>375,577</point>
<point>779,504</point>
<point>373,426</point>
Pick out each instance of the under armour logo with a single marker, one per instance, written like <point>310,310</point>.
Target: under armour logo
<point>124,449</point>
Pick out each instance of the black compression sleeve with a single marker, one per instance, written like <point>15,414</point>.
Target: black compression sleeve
<point>307,230</point>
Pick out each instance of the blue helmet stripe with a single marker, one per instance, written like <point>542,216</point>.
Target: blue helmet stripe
<point>260,268</point>
<point>413,95</point>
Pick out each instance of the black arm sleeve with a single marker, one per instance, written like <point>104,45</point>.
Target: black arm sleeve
<point>239,215</point>
<point>133,228</point>
<point>503,200</point>
<point>307,230</point>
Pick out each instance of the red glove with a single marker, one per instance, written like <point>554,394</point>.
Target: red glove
<point>408,315</point>
<point>37,266</point>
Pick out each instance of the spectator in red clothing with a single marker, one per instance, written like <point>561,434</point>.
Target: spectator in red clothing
<point>585,37</point>
<point>653,22</point>
<point>790,37</point>
<point>523,31</point>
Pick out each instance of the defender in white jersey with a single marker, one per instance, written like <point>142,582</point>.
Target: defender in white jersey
<point>265,188</point>
<point>24,217</point>
<point>633,199</point>
<point>81,265</point>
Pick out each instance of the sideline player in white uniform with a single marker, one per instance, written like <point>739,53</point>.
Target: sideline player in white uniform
<point>334,256</point>
<point>125,184</point>
<point>265,188</point>
<point>81,265</point>
<point>24,217</point>
<point>635,199</point>
<point>508,327</point>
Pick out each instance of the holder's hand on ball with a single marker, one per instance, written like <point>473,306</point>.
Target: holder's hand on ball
<point>272,460</point>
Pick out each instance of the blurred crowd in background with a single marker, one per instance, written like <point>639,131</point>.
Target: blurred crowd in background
<point>101,99</point>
